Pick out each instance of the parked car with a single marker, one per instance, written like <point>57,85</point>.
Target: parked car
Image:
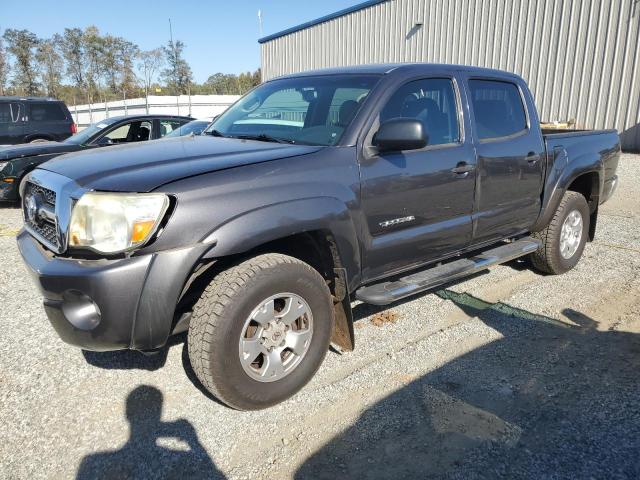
<point>34,119</point>
<point>17,161</point>
<point>196,127</point>
<point>379,182</point>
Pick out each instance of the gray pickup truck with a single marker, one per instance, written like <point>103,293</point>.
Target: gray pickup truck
<point>372,183</point>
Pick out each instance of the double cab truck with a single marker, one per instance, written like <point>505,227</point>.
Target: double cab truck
<point>370,183</point>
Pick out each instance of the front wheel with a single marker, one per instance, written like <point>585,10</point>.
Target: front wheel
<point>564,238</point>
<point>260,331</point>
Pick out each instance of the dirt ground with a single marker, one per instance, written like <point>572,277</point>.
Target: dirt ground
<point>509,374</point>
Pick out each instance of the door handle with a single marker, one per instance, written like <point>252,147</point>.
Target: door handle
<point>532,158</point>
<point>462,169</point>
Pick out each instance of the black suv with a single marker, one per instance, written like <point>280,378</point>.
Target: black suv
<point>34,119</point>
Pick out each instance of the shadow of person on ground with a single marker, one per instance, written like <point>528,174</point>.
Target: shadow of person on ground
<point>132,360</point>
<point>143,456</point>
<point>548,399</point>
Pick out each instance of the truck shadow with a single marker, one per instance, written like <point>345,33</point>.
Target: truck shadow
<point>144,455</point>
<point>548,399</point>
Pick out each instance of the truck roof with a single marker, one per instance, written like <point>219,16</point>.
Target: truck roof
<point>386,68</point>
<point>16,98</point>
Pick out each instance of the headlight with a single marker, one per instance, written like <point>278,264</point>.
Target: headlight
<point>115,222</point>
<point>2,165</point>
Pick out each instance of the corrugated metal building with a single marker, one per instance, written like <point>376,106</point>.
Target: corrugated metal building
<point>581,58</point>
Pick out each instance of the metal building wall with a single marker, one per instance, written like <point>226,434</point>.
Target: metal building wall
<point>581,58</point>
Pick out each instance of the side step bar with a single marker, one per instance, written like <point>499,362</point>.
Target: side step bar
<point>388,292</point>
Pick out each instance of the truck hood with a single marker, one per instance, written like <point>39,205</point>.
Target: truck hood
<point>143,167</point>
<point>32,149</point>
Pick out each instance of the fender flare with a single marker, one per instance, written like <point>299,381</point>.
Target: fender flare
<point>276,221</point>
<point>561,175</point>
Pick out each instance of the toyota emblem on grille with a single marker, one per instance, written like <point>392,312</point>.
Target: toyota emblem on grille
<point>32,208</point>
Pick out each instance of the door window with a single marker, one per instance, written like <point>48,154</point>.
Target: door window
<point>433,102</point>
<point>168,126</point>
<point>498,110</point>
<point>9,112</point>
<point>47,112</point>
<point>129,132</point>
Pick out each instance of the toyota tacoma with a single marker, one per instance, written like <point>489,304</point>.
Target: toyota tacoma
<point>370,183</point>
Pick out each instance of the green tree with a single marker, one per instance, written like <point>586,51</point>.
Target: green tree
<point>74,55</point>
<point>177,75</point>
<point>4,68</point>
<point>51,64</point>
<point>22,44</point>
<point>150,63</point>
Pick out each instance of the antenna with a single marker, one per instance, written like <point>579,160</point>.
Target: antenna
<point>170,33</point>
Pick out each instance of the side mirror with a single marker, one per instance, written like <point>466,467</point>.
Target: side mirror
<point>400,134</point>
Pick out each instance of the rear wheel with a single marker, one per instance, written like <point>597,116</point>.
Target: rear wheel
<point>260,331</point>
<point>39,140</point>
<point>564,238</point>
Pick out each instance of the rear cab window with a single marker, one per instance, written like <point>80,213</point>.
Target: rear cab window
<point>498,109</point>
<point>47,112</point>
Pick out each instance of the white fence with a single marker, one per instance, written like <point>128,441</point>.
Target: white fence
<point>203,107</point>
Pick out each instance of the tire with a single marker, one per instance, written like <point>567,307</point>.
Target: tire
<point>219,322</point>
<point>549,259</point>
<point>39,140</point>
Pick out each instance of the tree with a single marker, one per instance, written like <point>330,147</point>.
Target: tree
<point>127,53</point>
<point>21,44</point>
<point>94,48</point>
<point>150,63</point>
<point>177,76</point>
<point>230,84</point>
<point>74,56</point>
<point>4,69</point>
<point>51,64</point>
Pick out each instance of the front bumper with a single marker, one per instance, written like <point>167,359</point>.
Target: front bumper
<point>8,190</point>
<point>112,304</point>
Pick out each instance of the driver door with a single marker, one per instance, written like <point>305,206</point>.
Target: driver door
<point>418,203</point>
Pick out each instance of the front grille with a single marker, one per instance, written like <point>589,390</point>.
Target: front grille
<point>44,229</point>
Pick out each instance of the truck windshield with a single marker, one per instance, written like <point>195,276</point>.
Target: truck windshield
<point>302,110</point>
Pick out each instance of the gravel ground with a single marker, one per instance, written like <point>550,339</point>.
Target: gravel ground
<point>509,374</point>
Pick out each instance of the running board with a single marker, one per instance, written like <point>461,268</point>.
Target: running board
<point>388,292</point>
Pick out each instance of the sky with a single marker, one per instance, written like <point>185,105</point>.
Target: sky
<point>220,36</point>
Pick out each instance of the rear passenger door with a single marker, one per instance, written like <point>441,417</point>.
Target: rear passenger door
<point>510,159</point>
<point>418,203</point>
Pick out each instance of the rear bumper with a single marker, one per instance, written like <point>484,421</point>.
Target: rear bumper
<point>104,305</point>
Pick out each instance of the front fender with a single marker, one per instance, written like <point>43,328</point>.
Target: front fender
<point>277,221</point>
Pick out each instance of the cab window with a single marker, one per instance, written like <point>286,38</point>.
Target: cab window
<point>168,126</point>
<point>129,132</point>
<point>498,110</point>
<point>433,102</point>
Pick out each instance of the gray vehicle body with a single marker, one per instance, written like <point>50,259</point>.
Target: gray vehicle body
<point>326,205</point>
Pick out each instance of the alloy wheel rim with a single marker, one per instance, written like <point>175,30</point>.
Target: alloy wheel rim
<point>275,337</point>
<point>571,234</point>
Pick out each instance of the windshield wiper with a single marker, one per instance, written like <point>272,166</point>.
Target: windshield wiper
<point>215,133</point>
<point>263,137</point>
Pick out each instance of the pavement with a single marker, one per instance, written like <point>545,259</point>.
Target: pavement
<point>509,374</point>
